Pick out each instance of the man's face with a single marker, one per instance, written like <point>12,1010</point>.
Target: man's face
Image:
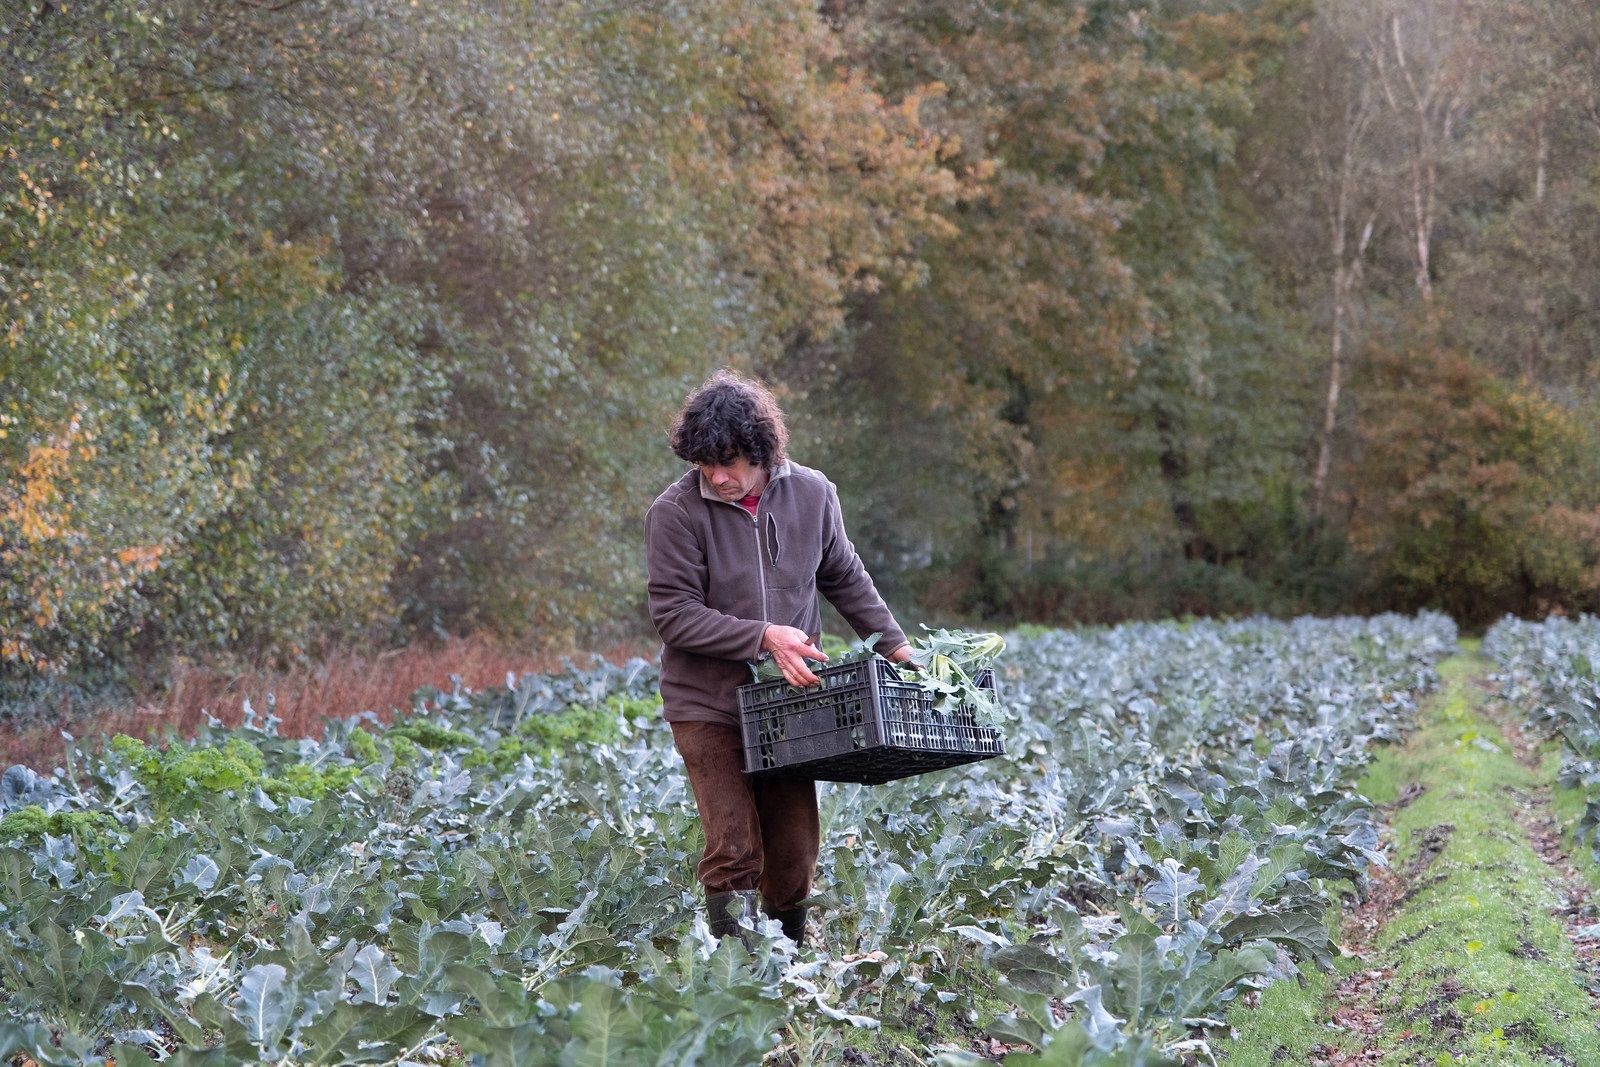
<point>734,481</point>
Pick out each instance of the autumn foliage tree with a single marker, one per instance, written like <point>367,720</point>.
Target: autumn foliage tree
<point>347,320</point>
<point>1471,495</point>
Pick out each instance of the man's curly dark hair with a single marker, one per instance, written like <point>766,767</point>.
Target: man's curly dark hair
<point>729,417</point>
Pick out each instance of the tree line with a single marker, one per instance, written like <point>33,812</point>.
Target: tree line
<point>335,318</point>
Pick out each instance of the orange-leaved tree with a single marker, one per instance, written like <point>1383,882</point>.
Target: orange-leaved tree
<point>1471,494</point>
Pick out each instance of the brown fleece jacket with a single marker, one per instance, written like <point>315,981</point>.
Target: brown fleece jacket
<point>719,577</point>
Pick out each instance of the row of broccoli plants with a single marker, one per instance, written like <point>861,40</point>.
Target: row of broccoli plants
<point>508,875</point>
<point>1551,670</point>
<point>1202,777</point>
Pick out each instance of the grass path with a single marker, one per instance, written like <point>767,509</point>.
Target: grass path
<point>1468,950</point>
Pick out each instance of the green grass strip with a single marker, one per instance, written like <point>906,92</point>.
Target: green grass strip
<point>1477,969</point>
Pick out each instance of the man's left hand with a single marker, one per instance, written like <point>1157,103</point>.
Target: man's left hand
<point>900,655</point>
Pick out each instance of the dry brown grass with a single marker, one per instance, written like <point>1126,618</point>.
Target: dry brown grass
<point>348,680</point>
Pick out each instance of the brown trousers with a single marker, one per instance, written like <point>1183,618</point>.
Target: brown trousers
<point>761,833</point>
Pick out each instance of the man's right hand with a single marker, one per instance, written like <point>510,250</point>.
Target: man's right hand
<point>790,648</point>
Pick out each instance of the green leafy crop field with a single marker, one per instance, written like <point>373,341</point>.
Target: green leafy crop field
<point>507,876</point>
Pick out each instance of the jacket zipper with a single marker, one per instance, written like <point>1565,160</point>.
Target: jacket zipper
<point>761,570</point>
<point>761,566</point>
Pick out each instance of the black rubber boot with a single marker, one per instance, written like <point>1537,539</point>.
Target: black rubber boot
<point>725,910</point>
<point>794,923</point>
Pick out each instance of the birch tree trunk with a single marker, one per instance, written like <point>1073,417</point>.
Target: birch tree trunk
<point>1426,100</point>
<point>1342,177</point>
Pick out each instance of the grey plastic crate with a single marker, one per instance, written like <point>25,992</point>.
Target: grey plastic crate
<point>862,724</point>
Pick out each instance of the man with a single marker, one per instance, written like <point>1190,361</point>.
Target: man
<point>738,549</point>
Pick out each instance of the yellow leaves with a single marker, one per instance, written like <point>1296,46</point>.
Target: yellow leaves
<point>197,407</point>
<point>141,558</point>
<point>36,507</point>
<point>296,264</point>
<point>43,615</point>
<point>38,206</point>
<point>54,559</point>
